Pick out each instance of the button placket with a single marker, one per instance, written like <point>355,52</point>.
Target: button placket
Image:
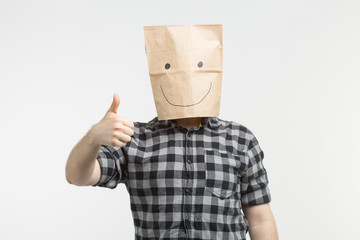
<point>188,183</point>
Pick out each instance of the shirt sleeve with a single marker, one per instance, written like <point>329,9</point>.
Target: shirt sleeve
<point>254,182</point>
<point>112,163</point>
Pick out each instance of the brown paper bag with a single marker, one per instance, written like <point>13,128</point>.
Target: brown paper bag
<point>185,67</point>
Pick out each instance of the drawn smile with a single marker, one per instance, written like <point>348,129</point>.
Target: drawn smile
<point>189,105</point>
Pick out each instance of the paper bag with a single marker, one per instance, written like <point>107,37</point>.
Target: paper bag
<point>185,67</point>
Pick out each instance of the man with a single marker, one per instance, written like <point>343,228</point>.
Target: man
<point>189,174</point>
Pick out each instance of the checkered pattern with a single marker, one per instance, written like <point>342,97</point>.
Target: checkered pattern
<point>188,184</point>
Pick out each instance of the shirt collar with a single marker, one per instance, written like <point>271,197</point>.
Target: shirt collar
<point>212,122</point>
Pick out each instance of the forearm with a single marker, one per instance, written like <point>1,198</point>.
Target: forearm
<point>265,230</point>
<point>261,222</point>
<point>81,161</point>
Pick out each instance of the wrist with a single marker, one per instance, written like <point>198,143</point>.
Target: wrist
<point>91,137</point>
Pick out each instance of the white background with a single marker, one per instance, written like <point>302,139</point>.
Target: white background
<point>291,75</point>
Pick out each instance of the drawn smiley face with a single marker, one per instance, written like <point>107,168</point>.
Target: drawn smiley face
<point>200,64</point>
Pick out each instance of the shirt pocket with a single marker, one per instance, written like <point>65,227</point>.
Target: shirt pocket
<point>222,173</point>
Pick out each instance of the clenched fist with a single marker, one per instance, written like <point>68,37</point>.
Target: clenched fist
<point>112,130</point>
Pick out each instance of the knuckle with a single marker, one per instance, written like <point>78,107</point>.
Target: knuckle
<point>114,135</point>
<point>119,120</point>
<point>113,142</point>
<point>117,126</point>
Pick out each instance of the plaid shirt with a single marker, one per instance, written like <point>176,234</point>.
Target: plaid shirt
<point>188,184</point>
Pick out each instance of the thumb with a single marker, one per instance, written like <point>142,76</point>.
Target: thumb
<point>115,104</point>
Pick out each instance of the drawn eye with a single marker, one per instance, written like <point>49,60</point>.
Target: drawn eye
<point>200,64</point>
<point>167,66</point>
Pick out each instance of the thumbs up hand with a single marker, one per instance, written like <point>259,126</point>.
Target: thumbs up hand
<point>112,130</point>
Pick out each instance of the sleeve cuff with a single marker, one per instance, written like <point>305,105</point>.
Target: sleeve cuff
<point>259,196</point>
<point>109,170</point>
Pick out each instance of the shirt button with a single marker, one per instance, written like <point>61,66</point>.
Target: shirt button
<point>188,191</point>
<point>187,223</point>
<point>189,161</point>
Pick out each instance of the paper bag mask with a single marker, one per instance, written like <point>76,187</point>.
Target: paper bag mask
<point>185,67</point>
